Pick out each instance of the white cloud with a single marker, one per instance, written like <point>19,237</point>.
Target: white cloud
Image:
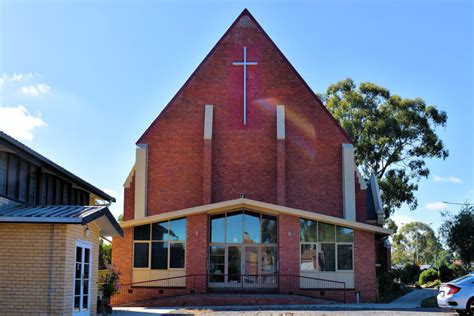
<point>15,77</point>
<point>450,179</point>
<point>35,90</point>
<point>18,123</point>
<point>436,206</point>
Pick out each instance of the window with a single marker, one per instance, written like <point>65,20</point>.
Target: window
<point>325,247</point>
<point>243,227</point>
<point>344,257</point>
<point>160,245</point>
<point>3,172</point>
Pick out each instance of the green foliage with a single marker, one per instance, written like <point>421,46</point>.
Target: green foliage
<point>433,284</point>
<point>415,242</point>
<point>388,289</point>
<point>120,218</point>
<point>458,231</point>
<point>105,254</point>
<point>445,274</point>
<point>409,274</point>
<point>110,283</point>
<point>428,276</point>
<point>393,136</point>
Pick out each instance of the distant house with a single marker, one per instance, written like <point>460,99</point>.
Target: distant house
<point>50,224</point>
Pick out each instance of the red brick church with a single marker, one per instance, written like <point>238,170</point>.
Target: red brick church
<point>245,182</point>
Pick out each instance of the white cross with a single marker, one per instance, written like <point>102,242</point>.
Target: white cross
<point>245,63</point>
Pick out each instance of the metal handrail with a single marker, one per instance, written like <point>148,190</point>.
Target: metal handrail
<point>284,283</point>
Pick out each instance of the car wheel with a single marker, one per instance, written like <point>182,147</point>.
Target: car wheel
<point>470,306</point>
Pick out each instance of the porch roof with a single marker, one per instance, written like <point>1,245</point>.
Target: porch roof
<point>259,206</point>
<point>63,214</point>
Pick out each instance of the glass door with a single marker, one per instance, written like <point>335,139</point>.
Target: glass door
<point>82,272</point>
<point>251,270</point>
<point>234,264</point>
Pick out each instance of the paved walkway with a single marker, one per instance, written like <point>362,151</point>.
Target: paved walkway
<point>406,305</point>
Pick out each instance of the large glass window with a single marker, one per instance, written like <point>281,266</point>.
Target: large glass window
<point>218,228</point>
<point>243,243</point>
<point>234,228</point>
<point>325,247</point>
<point>243,227</point>
<point>160,245</point>
<point>251,228</point>
<point>269,229</point>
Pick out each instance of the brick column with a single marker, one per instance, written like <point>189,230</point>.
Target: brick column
<point>196,252</point>
<point>288,249</point>
<point>281,175</point>
<point>207,173</point>
<point>364,259</point>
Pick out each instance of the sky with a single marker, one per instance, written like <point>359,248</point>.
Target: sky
<point>82,80</point>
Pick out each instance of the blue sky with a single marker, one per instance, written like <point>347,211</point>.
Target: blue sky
<point>82,80</point>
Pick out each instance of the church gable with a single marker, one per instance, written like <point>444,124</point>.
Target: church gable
<point>244,147</point>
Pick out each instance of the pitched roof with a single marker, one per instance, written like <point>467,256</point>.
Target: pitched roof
<point>43,161</point>
<point>246,12</point>
<point>64,214</point>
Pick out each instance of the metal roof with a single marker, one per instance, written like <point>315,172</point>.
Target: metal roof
<point>10,141</point>
<point>65,214</point>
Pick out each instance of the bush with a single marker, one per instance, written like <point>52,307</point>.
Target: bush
<point>445,274</point>
<point>428,276</point>
<point>388,289</point>
<point>433,284</point>
<point>409,274</point>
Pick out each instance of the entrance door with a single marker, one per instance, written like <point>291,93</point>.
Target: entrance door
<point>82,273</point>
<point>234,264</point>
<point>251,270</point>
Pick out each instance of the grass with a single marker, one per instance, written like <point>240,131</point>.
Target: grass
<point>429,302</point>
<point>393,295</point>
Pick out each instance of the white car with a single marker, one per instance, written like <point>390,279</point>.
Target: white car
<point>458,294</point>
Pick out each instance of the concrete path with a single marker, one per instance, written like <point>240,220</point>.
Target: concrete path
<point>406,305</point>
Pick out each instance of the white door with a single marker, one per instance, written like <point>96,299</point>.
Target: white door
<point>82,282</point>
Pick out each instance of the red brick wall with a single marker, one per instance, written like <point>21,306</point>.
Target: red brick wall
<point>196,250</point>
<point>364,259</point>
<point>129,200</point>
<point>244,158</point>
<point>289,250</point>
<point>361,203</point>
<point>122,252</point>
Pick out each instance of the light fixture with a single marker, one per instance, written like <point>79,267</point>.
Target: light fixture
<point>87,232</point>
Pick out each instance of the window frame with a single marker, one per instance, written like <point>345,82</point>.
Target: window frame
<point>317,245</point>
<point>150,241</point>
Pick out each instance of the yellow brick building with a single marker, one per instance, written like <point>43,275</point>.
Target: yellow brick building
<point>49,235</point>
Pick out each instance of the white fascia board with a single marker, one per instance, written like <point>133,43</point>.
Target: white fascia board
<point>258,206</point>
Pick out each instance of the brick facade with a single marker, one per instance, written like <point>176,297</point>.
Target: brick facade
<point>364,261</point>
<point>37,268</point>
<point>303,171</point>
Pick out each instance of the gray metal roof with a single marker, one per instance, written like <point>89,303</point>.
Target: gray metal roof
<point>65,214</point>
<point>11,142</point>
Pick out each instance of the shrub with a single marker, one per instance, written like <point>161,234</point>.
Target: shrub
<point>409,274</point>
<point>109,284</point>
<point>428,276</point>
<point>445,273</point>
